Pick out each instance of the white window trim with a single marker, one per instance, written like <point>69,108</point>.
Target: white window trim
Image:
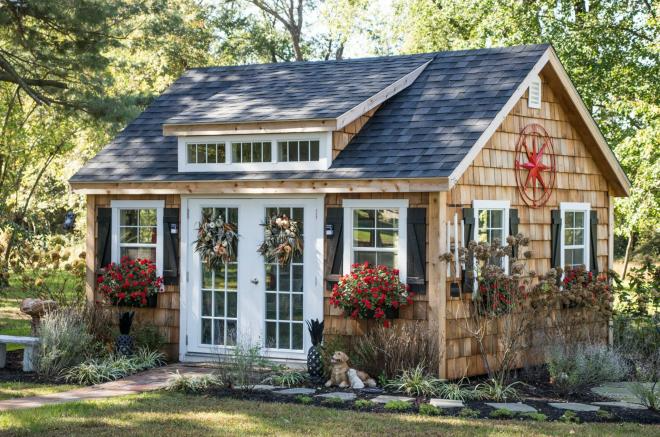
<point>325,152</point>
<point>565,207</point>
<point>118,205</point>
<point>536,82</point>
<point>401,204</point>
<point>478,205</point>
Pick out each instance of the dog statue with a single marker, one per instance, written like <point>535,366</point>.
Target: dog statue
<point>339,372</point>
<point>355,380</point>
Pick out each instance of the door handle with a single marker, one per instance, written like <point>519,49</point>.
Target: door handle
<point>255,281</point>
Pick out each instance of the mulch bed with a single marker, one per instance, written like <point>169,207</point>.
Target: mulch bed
<point>13,371</point>
<point>537,401</point>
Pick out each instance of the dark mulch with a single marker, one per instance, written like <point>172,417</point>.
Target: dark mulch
<point>13,371</point>
<point>538,402</point>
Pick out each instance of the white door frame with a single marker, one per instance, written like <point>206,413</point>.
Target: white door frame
<point>251,317</point>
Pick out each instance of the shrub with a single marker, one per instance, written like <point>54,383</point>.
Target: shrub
<point>647,394</point>
<point>286,378</point>
<point>244,366</point>
<point>569,417</point>
<point>496,391</point>
<point>469,413</point>
<point>147,336</point>
<point>430,410</point>
<point>192,383</point>
<point>65,343</point>
<point>364,404</point>
<point>332,401</point>
<point>604,414</point>
<point>415,382</point>
<point>405,346</point>
<point>536,417</point>
<point>395,405</point>
<point>100,323</point>
<point>112,367</point>
<point>572,368</point>
<point>456,391</point>
<point>502,413</point>
<point>385,292</point>
<point>305,400</point>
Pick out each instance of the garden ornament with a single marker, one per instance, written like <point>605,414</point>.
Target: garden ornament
<point>36,308</point>
<point>124,342</point>
<point>69,221</point>
<point>339,372</point>
<point>353,378</point>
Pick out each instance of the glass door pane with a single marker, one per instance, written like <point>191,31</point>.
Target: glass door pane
<point>219,288</point>
<point>284,295</point>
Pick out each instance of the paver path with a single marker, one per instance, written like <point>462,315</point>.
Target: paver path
<point>150,380</point>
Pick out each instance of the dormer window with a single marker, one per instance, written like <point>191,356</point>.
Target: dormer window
<point>258,152</point>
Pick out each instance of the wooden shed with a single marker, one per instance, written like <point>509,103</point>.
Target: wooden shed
<point>391,146</point>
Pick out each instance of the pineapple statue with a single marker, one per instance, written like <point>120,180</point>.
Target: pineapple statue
<point>314,363</point>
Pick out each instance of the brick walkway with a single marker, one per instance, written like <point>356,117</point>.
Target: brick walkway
<point>146,381</point>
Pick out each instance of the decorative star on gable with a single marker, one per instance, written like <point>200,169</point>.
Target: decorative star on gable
<point>535,165</point>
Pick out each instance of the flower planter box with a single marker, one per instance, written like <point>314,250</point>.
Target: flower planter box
<point>390,313</point>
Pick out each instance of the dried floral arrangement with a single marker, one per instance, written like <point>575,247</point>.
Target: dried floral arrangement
<point>217,241</point>
<point>282,240</point>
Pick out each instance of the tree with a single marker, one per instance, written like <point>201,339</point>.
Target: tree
<point>610,50</point>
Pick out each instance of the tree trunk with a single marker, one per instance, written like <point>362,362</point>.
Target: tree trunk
<point>627,256</point>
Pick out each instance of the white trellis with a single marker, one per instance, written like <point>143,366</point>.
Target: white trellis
<point>454,244</point>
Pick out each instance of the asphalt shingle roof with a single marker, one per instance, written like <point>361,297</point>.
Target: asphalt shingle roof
<point>423,131</point>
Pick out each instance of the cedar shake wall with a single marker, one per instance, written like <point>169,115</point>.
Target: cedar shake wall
<point>336,324</point>
<point>166,315</point>
<point>492,177</point>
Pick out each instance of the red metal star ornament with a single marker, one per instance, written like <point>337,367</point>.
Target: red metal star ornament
<point>535,165</point>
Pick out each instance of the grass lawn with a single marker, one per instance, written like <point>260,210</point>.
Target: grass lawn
<point>170,414</point>
<point>9,390</point>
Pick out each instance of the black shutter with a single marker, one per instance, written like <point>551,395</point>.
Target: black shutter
<point>593,241</point>
<point>555,238</point>
<point>334,220</point>
<point>416,275</point>
<point>171,246</point>
<point>468,219</point>
<point>514,221</point>
<point>103,240</point>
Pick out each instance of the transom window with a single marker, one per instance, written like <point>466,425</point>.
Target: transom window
<point>575,234</point>
<point>257,152</point>
<point>211,153</point>
<point>137,230</point>
<point>376,233</point>
<point>491,223</point>
<point>251,152</point>
<point>298,151</point>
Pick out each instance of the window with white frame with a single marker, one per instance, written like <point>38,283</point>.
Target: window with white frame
<point>376,233</point>
<point>137,230</point>
<point>257,152</point>
<point>491,218</point>
<point>575,234</point>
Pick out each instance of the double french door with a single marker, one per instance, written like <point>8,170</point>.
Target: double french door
<point>249,300</point>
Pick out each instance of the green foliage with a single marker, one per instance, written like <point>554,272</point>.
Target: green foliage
<point>648,394</point>
<point>147,336</point>
<point>332,402</point>
<point>536,417</point>
<point>192,383</point>
<point>573,367</point>
<point>395,405</point>
<point>244,367</point>
<point>569,417</point>
<point>502,413</point>
<point>497,391</point>
<point>604,414</point>
<point>469,413</point>
<point>430,410</point>
<point>112,367</point>
<point>415,382</point>
<point>638,340</point>
<point>64,343</point>
<point>641,298</point>
<point>304,399</point>
<point>456,391</point>
<point>286,378</point>
<point>364,404</point>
